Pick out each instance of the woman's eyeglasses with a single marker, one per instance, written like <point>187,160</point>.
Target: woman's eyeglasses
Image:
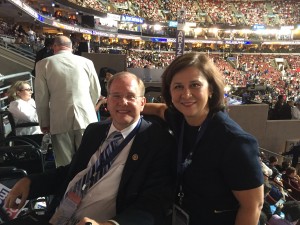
<point>27,89</point>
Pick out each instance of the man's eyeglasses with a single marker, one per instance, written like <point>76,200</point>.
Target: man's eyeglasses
<point>128,97</point>
<point>27,89</point>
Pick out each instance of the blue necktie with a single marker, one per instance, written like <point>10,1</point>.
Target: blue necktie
<point>102,165</point>
<point>105,160</point>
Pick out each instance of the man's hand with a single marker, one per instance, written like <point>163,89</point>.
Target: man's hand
<point>85,221</point>
<point>21,191</point>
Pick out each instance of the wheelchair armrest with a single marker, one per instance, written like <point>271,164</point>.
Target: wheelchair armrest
<point>12,172</point>
<point>29,124</point>
<point>4,171</point>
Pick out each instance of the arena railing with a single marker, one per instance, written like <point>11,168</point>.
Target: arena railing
<point>17,49</point>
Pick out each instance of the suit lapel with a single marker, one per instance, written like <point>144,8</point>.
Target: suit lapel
<point>95,137</point>
<point>136,154</point>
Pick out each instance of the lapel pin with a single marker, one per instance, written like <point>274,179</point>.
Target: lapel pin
<point>135,157</point>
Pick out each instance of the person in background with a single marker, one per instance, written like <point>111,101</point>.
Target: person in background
<point>67,89</point>
<point>23,108</point>
<point>296,110</point>
<point>105,74</point>
<point>44,52</point>
<point>291,180</point>
<point>263,219</point>
<point>138,187</point>
<point>277,191</point>
<point>284,165</point>
<point>273,162</point>
<point>220,177</point>
<point>295,152</point>
<point>101,108</point>
<point>267,206</point>
<point>291,210</point>
<point>278,107</point>
<point>286,110</point>
<point>31,35</point>
<point>265,169</point>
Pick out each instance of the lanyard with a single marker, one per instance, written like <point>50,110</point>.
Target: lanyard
<point>183,164</point>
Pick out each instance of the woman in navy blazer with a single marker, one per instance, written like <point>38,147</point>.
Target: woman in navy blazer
<point>220,179</point>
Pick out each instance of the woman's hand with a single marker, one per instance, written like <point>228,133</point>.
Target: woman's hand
<point>101,100</point>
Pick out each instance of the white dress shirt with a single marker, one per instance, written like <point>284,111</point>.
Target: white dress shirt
<point>295,113</point>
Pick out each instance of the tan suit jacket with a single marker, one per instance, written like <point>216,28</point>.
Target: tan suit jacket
<point>66,91</point>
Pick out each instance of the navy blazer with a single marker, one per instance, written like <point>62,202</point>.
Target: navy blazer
<point>147,184</point>
<point>226,158</point>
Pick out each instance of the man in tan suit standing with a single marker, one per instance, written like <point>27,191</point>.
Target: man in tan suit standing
<point>66,92</point>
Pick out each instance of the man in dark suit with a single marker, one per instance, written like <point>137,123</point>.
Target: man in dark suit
<point>295,151</point>
<point>44,52</point>
<point>138,187</point>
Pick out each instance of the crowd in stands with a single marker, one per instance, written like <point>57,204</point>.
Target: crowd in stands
<point>288,11</point>
<point>281,191</point>
<point>4,27</point>
<point>239,71</point>
<point>149,9</point>
<point>204,12</point>
<point>191,7</point>
<point>254,12</point>
<point>120,7</point>
<point>218,11</point>
<point>92,4</point>
<point>142,59</point>
<point>271,13</point>
<point>249,70</point>
<point>283,178</point>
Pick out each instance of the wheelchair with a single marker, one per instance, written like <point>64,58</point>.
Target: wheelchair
<point>20,156</point>
<point>6,115</point>
<point>9,137</point>
<point>17,161</point>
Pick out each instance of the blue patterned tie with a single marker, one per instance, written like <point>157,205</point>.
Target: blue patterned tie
<point>104,160</point>
<point>103,163</point>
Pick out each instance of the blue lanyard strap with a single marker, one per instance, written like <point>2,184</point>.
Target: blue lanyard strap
<point>112,156</point>
<point>183,164</point>
<point>120,146</point>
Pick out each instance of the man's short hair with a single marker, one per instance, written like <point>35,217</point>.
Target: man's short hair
<point>63,41</point>
<point>124,73</point>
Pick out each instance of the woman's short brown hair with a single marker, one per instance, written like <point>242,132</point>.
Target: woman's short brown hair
<point>209,71</point>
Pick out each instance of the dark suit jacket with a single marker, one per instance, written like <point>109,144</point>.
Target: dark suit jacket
<point>146,188</point>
